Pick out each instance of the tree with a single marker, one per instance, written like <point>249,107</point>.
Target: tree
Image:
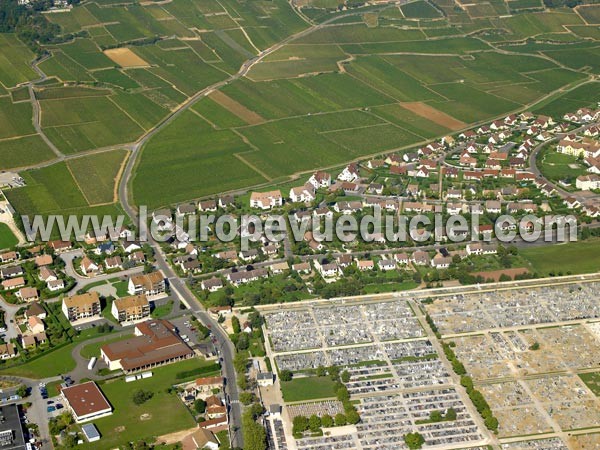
<point>255,436</point>
<point>491,423</point>
<point>352,417</point>
<point>243,342</point>
<point>246,398</point>
<point>450,414</point>
<point>300,424</point>
<point>535,346</point>
<point>285,375</point>
<point>235,324</point>
<point>414,441</point>
<point>345,376</point>
<point>436,416</point>
<point>314,423</point>
<point>340,420</point>
<point>70,440</point>
<point>200,406</point>
<point>327,421</point>
<point>321,371</point>
<point>334,372</point>
<point>140,396</point>
<point>22,391</point>
<point>342,394</point>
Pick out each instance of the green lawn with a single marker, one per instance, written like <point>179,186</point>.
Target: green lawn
<point>7,238</point>
<point>50,365</point>
<point>558,166</point>
<point>309,388</point>
<point>162,310</point>
<point>164,413</point>
<point>389,287</point>
<point>592,380</point>
<point>574,257</point>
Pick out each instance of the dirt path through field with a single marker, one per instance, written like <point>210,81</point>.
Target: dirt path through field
<point>434,115</point>
<point>234,107</point>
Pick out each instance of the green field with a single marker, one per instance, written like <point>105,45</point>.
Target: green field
<point>96,175</point>
<point>50,365</point>
<point>130,422</point>
<point>325,97</point>
<point>15,58</point>
<point>308,388</point>
<point>7,237</point>
<point>23,151</point>
<point>82,123</point>
<point>585,95</point>
<point>592,381</point>
<point>574,257</point>
<point>203,164</point>
<point>558,166</point>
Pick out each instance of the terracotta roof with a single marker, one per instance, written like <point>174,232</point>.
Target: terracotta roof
<point>156,343</point>
<point>86,399</point>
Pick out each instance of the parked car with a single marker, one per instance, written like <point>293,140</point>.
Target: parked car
<point>50,409</point>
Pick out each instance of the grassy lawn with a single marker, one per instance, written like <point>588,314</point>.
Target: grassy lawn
<point>389,287</point>
<point>592,380</point>
<point>7,238</point>
<point>49,365</point>
<point>309,388</point>
<point>574,257</point>
<point>164,413</point>
<point>162,310</point>
<point>558,166</point>
<point>121,287</point>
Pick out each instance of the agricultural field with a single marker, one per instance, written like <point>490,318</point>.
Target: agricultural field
<point>15,59</point>
<point>87,122</point>
<point>97,175</point>
<point>66,188</point>
<point>364,82</point>
<point>586,95</point>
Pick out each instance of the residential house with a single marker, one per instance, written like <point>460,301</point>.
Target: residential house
<point>89,267</point>
<point>114,262</point>
<point>304,193</point>
<point>212,284</point>
<point>11,272</point>
<point>320,179</point>
<point>27,294</point>
<point>35,324</point>
<point>8,257</point>
<point>350,173</point>
<point>13,283</point>
<point>386,264</point>
<point>43,260</point>
<point>186,209</point>
<point>588,182</point>
<point>266,200</point>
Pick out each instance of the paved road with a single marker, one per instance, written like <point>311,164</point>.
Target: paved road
<point>82,282</point>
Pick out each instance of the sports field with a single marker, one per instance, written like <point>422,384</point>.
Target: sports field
<point>570,258</point>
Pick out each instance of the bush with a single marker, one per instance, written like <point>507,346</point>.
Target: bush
<point>140,396</point>
<point>285,375</point>
<point>200,406</point>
